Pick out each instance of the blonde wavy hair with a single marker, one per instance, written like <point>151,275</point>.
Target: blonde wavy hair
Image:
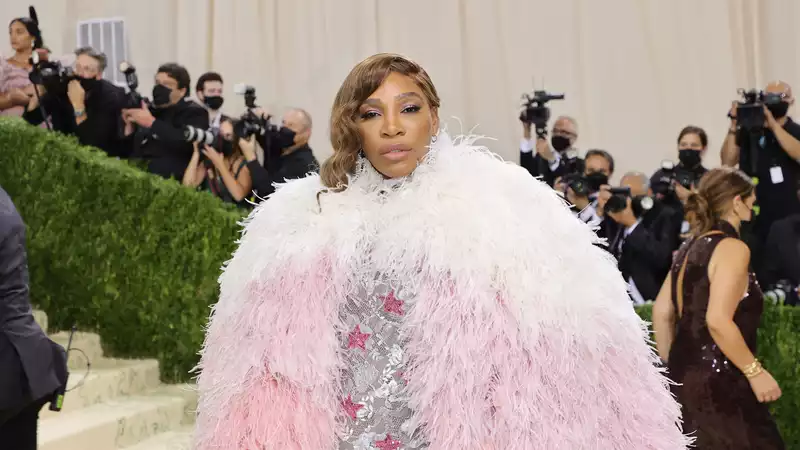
<point>365,78</point>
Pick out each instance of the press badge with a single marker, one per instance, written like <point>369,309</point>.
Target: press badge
<point>776,175</point>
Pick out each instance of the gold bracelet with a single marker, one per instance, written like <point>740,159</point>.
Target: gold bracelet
<point>753,369</point>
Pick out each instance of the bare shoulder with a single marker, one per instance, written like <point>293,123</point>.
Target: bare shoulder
<point>730,254</point>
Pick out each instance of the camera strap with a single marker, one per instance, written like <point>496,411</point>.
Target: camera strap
<point>679,283</point>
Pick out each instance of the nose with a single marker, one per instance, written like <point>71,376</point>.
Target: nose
<point>392,125</point>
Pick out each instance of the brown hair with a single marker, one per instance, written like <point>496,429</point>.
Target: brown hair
<point>717,190</point>
<point>691,129</point>
<point>365,78</point>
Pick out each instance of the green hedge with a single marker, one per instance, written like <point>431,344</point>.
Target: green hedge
<point>779,350</point>
<point>137,258</point>
<point>115,250</point>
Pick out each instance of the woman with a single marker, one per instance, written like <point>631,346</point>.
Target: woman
<point>420,293</point>
<point>15,86</point>
<point>706,319</point>
<point>227,176</point>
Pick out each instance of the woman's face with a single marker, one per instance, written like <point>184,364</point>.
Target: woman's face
<point>691,141</point>
<point>19,37</point>
<point>396,125</point>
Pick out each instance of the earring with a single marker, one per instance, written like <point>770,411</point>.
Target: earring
<point>434,138</point>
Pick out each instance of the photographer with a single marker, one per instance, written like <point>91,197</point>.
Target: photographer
<point>157,136</point>
<point>672,185</point>
<point>554,159</point>
<point>209,93</point>
<point>286,152</point>
<point>641,232</point>
<point>770,153</point>
<point>86,106</point>
<point>224,172</point>
<point>581,191</point>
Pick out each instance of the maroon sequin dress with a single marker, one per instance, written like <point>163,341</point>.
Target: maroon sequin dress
<point>719,407</point>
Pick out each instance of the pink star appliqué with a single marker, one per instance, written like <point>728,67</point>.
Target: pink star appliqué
<point>350,407</point>
<point>357,339</point>
<point>392,305</point>
<point>388,443</point>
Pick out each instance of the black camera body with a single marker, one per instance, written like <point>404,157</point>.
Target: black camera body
<point>133,99</point>
<point>750,111</point>
<point>50,74</point>
<point>535,110</point>
<point>670,175</point>
<point>578,183</point>
<point>619,201</point>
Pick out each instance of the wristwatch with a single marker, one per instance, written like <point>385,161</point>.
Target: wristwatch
<point>80,113</point>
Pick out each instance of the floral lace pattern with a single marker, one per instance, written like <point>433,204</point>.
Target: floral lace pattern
<point>374,414</point>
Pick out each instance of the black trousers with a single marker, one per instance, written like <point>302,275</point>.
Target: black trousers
<point>18,430</point>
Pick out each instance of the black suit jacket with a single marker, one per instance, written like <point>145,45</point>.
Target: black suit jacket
<point>33,366</point>
<point>103,122</point>
<point>646,254</point>
<point>163,145</point>
<point>540,168</point>
<point>782,253</point>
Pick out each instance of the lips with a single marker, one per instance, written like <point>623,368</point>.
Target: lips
<point>394,148</point>
<point>395,152</point>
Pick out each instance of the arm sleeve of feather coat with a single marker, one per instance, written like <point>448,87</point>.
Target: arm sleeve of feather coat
<point>268,359</point>
<point>573,354</point>
<point>245,401</point>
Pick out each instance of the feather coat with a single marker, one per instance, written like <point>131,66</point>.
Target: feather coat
<point>522,335</point>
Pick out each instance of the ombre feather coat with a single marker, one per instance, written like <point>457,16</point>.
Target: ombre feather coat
<point>522,335</point>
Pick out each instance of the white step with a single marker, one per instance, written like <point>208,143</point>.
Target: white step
<point>107,380</point>
<point>173,440</point>
<point>117,423</point>
<point>41,318</point>
<point>84,345</point>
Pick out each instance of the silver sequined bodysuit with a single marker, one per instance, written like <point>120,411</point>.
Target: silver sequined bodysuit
<point>375,411</point>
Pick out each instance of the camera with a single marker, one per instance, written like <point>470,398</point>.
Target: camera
<point>664,185</point>
<point>50,74</point>
<point>619,201</point>
<point>750,111</point>
<point>782,293</point>
<point>535,110</point>
<point>250,124</point>
<point>577,183</point>
<point>133,99</point>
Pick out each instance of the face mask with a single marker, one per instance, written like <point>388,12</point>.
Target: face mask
<point>595,180</point>
<point>161,95</point>
<point>213,102</point>
<point>778,110</point>
<point>689,158</point>
<point>749,218</point>
<point>88,83</point>
<point>286,137</point>
<point>560,143</point>
<point>227,147</point>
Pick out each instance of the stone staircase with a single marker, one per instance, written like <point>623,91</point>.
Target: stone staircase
<point>120,405</point>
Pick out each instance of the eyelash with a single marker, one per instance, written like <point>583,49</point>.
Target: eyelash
<point>409,109</point>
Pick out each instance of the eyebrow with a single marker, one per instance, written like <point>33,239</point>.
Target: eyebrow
<point>377,102</point>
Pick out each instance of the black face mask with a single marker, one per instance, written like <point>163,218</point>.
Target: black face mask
<point>286,137</point>
<point>161,95</point>
<point>689,158</point>
<point>88,84</point>
<point>778,110</point>
<point>560,143</point>
<point>226,147</point>
<point>595,180</point>
<point>213,102</point>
